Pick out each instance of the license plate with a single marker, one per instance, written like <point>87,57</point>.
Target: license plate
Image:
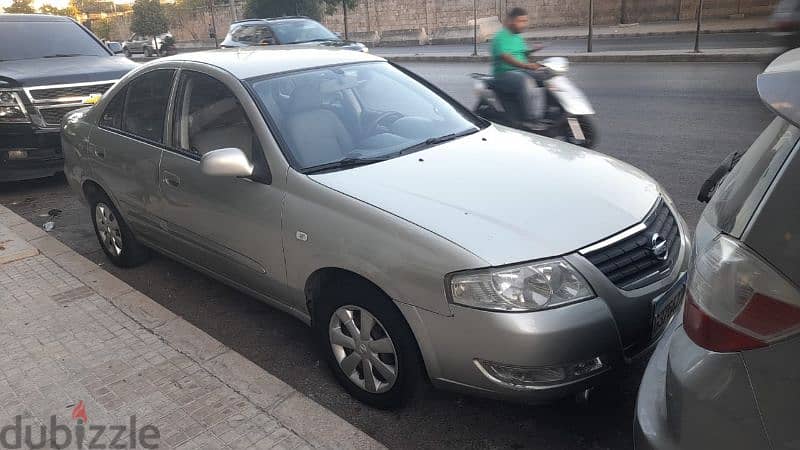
<point>665,309</point>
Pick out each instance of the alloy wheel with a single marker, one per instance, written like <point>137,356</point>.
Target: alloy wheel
<point>108,228</point>
<point>364,350</point>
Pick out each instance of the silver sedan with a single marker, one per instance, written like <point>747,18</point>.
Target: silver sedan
<point>415,238</point>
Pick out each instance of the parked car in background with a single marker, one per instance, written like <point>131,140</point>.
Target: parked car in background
<point>726,375</point>
<point>786,20</point>
<point>163,44</point>
<point>285,30</point>
<point>49,65</point>
<point>115,47</point>
<point>352,194</point>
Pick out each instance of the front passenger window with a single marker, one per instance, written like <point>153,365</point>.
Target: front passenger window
<point>145,108</point>
<point>209,117</point>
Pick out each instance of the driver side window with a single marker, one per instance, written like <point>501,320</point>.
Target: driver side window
<point>208,116</point>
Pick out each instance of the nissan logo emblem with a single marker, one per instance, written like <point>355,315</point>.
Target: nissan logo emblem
<point>658,245</point>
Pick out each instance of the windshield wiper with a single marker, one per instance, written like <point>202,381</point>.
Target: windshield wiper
<point>430,142</point>
<point>345,163</point>
<point>63,55</point>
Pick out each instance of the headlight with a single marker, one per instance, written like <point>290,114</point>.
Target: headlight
<point>11,108</point>
<point>526,287</point>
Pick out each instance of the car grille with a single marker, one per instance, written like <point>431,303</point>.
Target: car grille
<point>68,92</point>
<point>53,102</point>
<point>632,262</point>
<point>53,116</point>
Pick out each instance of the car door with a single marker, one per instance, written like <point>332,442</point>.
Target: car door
<point>126,147</point>
<point>135,43</point>
<point>230,226</point>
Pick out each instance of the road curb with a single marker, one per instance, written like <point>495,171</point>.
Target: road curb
<point>293,410</point>
<point>602,57</point>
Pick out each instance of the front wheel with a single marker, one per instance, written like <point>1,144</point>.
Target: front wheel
<point>127,52</point>
<point>148,52</point>
<point>367,344</point>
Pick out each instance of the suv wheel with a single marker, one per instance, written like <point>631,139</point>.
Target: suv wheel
<point>368,345</point>
<point>148,52</point>
<point>114,235</point>
<point>127,52</point>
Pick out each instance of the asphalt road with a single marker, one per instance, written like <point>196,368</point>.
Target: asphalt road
<point>673,121</point>
<point>664,42</point>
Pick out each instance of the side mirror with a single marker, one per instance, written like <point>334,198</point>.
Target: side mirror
<point>226,162</point>
<point>115,47</point>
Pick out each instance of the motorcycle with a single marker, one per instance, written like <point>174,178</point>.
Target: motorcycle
<point>567,114</point>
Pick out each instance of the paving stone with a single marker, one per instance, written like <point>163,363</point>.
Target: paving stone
<point>13,247</point>
<point>72,334</point>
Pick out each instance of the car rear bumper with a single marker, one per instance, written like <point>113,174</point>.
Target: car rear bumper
<point>42,155</point>
<point>693,398</point>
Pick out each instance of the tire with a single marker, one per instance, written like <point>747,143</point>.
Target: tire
<point>589,132</point>
<point>357,300</point>
<point>127,52</point>
<point>148,52</point>
<point>114,234</point>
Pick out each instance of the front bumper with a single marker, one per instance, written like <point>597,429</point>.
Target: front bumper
<point>43,148</point>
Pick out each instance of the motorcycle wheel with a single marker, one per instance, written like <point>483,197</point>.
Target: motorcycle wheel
<point>589,132</point>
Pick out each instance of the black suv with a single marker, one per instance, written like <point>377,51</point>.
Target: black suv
<point>285,30</point>
<point>49,65</point>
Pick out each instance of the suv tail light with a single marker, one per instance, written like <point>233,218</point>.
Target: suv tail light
<point>736,301</point>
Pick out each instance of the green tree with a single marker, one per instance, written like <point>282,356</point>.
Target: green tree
<point>149,19</point>
<point>277,8</point>
<point>52,10</point>
<point>20,7</point>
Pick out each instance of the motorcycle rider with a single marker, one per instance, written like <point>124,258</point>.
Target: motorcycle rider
<point>514,74</point>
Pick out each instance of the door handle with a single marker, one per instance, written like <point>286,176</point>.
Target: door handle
<point>99,152</point>
<point>171,179</point>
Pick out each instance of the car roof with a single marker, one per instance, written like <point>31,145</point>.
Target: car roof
<point>778,86</point>
<point>33,18</point>
<point>249,62</point>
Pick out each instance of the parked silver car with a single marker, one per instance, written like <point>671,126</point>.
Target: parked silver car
<point>413,236</point>
<point>727,375</point>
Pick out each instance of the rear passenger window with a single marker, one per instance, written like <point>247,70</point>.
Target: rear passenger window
<point>145,108</point>
<point>112,116</point>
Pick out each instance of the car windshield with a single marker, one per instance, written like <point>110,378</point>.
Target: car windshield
<point>295,31</point>
<point>357,113</point>
<point>29,40</point>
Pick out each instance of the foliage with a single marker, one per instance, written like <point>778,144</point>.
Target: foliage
<point>148,18</point>
<point>69,11</point>
<point>20,7</point>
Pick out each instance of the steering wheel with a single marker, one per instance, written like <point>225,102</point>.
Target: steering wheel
<point>388,116</point>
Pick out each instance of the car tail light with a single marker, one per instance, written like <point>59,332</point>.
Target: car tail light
<point>736,301</point>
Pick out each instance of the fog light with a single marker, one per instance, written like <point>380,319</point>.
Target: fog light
<point>526,377</point>
<point>17,154</point>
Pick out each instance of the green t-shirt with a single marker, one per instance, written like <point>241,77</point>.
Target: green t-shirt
<point>507,42</point>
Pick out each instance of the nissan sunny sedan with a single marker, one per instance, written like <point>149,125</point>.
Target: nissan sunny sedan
<point>416,239</point>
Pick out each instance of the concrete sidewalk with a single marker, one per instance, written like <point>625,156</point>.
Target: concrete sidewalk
<point>86,355</point>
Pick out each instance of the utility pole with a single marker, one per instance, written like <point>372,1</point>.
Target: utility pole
<point>344,11</point>
<point>474,27</point>
<point>699,20</point>
<point>591,26</point>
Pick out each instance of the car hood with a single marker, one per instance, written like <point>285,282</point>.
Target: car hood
<point>77,69</point>
<point>504,195</point>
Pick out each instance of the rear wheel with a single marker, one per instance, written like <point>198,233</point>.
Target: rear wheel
<point>114,235</point>
<point>588,129</point>
<point>367,344</point>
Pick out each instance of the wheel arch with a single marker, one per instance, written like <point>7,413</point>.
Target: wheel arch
<point>323,278</point>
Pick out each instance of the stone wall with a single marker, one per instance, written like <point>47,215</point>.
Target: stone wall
<point>381,15</point>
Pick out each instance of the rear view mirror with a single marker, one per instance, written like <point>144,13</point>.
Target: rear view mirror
<point>226,162</point>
